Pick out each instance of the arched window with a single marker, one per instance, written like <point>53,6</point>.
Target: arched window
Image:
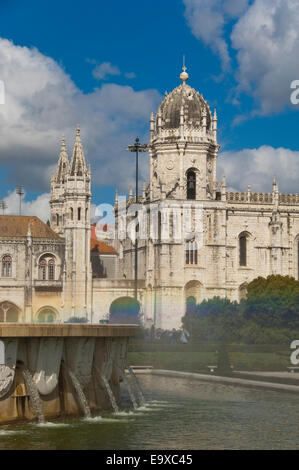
<point>191,253</point>
<point>57,219</point>
<point>79,213</point>
<point>243,250</point>
<point>46,268</point>
<point>191,184</point>
<point>72,213</point>
<point>6,266</point>
<point>47,315</point>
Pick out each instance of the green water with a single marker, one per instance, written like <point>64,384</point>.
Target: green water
<point>180,414</point>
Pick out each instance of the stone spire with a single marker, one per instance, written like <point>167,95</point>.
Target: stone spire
<point>275,193</point>
<point>63,162</point>
<point>78,164</point>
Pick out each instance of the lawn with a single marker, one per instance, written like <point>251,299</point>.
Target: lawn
<point>195,361</point>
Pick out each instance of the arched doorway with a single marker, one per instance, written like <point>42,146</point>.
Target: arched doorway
<point>9,312</point>
<point>193,294</point>
<point>47,315</point>
<point>124,310</point>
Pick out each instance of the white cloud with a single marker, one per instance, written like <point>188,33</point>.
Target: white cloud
<point>130,75</point>
<point>207,19</point>
<point>265,36</point>
<point>104,70</point>
<point>42,103</point>
<point>258,166</point>
<point>39,206</point>
<point>267,40</point>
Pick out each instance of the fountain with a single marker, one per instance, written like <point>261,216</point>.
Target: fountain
<point>49,370</point>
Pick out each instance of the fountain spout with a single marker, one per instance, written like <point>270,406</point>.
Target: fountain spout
<point>130,390</point>
<point>80,393</point>
<point>109,391</point>
<point>34,398</point>
<point>137,385</point>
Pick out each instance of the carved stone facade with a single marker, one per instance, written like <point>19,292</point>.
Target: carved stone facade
<point>230,239</point>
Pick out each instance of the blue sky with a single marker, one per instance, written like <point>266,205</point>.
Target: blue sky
<point>241,55</point>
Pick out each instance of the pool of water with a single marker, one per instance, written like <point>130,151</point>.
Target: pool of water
<point>179,414</point>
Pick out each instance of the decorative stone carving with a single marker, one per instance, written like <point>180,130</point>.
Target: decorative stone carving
<point>7,370</point>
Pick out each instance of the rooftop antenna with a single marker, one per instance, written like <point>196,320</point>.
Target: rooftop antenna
<point>20,192</point>
<point>3,206</point>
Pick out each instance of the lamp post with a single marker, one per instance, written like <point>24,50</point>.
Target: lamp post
<point>137,147</point>
<point>3,206</point>
<point>20,192</point>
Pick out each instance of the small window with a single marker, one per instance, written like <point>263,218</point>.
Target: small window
<point>51,269</point>
<point>79,213</point>
<point>72,214</point>
<point>191,185</point>
<point>6,266</point>
<point>243,250</point>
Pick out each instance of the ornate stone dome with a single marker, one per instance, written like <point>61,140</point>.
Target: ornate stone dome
<point>187,100</point>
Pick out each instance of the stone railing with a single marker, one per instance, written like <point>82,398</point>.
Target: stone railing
<point>256,198</point>
<point>236,197</point>
<point>290,199</point>
<point>261,198</point>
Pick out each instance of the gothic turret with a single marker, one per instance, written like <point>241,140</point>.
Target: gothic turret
<point>78,165</point>
<point>70,217</point>
<point>63,163</point>
<point>183,146</point>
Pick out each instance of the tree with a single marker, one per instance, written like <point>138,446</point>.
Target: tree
<point>273,301</point>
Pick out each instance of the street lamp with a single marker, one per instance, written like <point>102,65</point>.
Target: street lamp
<point>137,147</point>
<point>3,206</point>
<point>20,192</point>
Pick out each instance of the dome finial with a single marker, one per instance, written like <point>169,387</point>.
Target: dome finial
<point>184,75</point>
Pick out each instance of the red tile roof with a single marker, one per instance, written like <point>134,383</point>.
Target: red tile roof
<point>17,226</point>
<point>100,247</point>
